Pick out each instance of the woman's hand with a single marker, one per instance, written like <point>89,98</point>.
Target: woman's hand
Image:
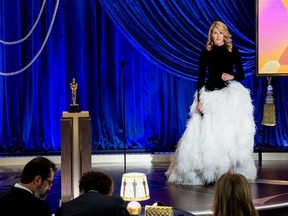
<point>199,107</point>
<point>227,77</point>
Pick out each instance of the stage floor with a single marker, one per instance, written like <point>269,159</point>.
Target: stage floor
<point>270,190</point>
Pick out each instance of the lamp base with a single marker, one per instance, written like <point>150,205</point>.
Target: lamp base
<point>134,208</point>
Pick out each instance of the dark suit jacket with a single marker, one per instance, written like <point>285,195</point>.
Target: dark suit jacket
<point>17,202</point>
<point>92,204</point>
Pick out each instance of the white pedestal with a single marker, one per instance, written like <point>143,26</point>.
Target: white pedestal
<point>75,152</point>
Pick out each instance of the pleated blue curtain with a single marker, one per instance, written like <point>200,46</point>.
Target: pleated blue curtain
<point>135,63</point>
<point>30,97</point>
<point>275,136</point>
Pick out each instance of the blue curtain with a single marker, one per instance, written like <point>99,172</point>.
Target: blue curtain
<point>135,63</point>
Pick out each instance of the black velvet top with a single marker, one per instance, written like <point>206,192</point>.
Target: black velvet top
<point>217,61</point>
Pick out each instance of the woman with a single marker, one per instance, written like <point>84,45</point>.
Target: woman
<point>219,135</point>
<point>233,196</point>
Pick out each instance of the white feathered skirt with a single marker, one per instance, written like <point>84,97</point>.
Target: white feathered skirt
<point>220,140</point>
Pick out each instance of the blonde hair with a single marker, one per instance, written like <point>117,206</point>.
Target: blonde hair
<point>233,196</point>
<point>220,26</point>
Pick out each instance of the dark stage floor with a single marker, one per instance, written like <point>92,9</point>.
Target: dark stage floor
<point>270,190</point>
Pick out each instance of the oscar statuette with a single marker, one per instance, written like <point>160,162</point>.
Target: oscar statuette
<point>74,107</point>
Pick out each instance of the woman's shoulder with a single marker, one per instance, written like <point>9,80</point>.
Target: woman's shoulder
<point>204,52</point>
<point>203,55</point>
<point>235,52</point>
<point>235,49</point>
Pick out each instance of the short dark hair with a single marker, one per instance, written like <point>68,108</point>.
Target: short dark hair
<point>94,180</point>
<point>37,166</point>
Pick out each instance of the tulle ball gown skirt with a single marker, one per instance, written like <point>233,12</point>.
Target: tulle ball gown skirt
<point>219,140</point>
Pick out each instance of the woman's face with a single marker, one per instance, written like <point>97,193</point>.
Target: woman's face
<point>217,37</point>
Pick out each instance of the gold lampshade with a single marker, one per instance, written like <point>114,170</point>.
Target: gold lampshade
<point>134,187</point>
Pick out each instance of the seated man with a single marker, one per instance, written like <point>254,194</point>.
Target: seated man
<point>95,198</point>
<point>27,196</point>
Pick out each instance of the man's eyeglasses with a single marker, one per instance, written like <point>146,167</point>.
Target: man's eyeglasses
<point>50,183</point>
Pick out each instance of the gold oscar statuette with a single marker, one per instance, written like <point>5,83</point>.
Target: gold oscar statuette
<point>74,107</point>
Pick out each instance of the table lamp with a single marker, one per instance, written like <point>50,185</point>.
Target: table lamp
<point>134,187</point>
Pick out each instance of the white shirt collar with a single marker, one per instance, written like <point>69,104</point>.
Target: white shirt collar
<point>17,185</point>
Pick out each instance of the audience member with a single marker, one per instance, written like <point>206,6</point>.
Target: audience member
<point>96,189</point>
<point>27,197</point>
<point>233,196</point>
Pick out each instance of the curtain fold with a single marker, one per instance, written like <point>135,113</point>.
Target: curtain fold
<point>136,65</point>
<point>172,33</point>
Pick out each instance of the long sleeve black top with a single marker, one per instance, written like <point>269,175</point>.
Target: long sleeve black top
<point>219,60</point>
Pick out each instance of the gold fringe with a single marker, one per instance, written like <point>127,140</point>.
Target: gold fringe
<point>269,115</point>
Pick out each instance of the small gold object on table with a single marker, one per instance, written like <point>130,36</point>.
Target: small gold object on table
<point>74,107</point>
<point>158,210</point>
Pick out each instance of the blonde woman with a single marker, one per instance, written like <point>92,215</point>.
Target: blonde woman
<point>219,135</point>
<point>233,196</point>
